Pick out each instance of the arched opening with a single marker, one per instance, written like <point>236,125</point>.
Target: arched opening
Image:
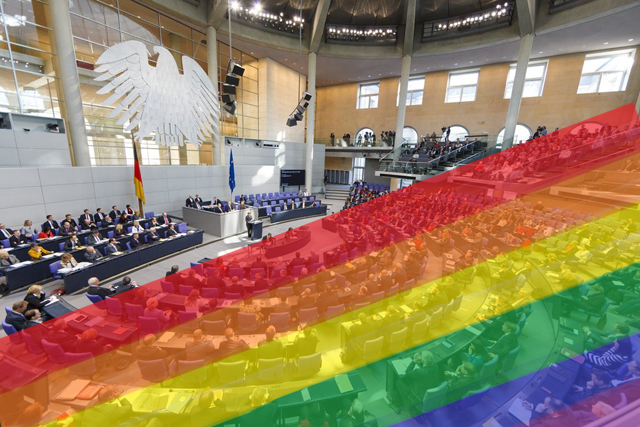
<point>458,132</point>
<point>522,134</point>
<point>363,136</point>
<point>410,135</point>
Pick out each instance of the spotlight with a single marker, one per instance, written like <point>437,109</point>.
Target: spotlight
<point>291,121</point>
<point>235,68</point>
<point>230,108</point>
<point>228,89</point>
<point>227,98</point>
<point>232,80</point>
<point>306,96</point>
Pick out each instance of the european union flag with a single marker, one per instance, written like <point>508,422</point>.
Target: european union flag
<point>232,173</point>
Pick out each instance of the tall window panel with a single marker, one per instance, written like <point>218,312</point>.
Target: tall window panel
<point>606,72</point>
<point>368,94</point>
<point>28,83</point>
<point>415,91</point>
<point>533,81</point>
<point>462,86</point>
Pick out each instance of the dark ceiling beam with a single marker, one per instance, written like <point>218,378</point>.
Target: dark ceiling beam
<point>526,10</point>
<point>410,27</point>
<point>319,22</point>
<point>217,10</point>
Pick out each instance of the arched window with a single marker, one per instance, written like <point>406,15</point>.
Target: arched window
<point>522,134</point>
<point>458,132</point>
<point>409,135</point>
<point>361,139</point>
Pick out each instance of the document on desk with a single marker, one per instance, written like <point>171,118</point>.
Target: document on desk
<point>166,336</point>
<point>344,384</point>
<point>305,394</point>
<point>226,303</point>
<point>518,411</point>
<point>93,322</point>
<point>72,390</point>
<point>401,365</point>
<point>475,331</point>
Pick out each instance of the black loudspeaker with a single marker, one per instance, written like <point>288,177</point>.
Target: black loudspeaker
<point>306,96</point>
<point>237,69</point>
<point>298,116</point>
<point>291,121</point>
<point>228,99</point>
<point>230,108</point>
<point>228,89</point>
<point>232,80</point>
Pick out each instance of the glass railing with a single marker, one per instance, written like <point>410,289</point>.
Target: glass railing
<point>428,159</point>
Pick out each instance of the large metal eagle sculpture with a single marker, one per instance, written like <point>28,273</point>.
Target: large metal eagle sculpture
<point>176,108</point>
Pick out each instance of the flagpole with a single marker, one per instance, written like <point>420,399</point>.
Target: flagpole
<point>135,148</point>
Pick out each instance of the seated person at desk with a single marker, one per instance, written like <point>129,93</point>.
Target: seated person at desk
<point>113,246</point>
<point>95,238</point>
<point>135,241</point>
<point>16,317</point>
<point>290,234</point>
<point>126,285</point>
<point>152,311</point>
<point>232,346</point>
<point>199,348</point>
<point>506,343</point>
<point>72,222</point>
<point>59,335</point>
<point>315,416</point>
<point>128,210</point>
<point>119,231</point>
<point>27,229</point>
<point>17,239</point>
<point>108,409</point>
<point>269,348</point>
<point>618,349</point>
<point>86,216</point>
<point>261,413</point>
<point>208,407</point>
<point>136,227</point>
<point>171,231</point>
<point>282,306</point>
<point>235,287</point>
<point>123,218</point>
<point>7,259</point>
<point>551,413</point>
<point>421,375</point>
<point>95,289</point>
<point>306,342</point>
<point>194,302</point>
<point>99,216</point>
<point>250,307</point>
<point>153,222</point>
<point>464,379</point>
<point>147,351</point>
<point>46,232</point>
<point>306,300</point>
<point>87,225</point>
<point>90,343</point>
<point>600,381</point>
<point>193,279</point>
<point>37,251</point>
<point>137,215</point>
<point>34,318</point>
<point>72,243</point>
<point>165,219</point>
<point>153,235</point>
<point>35,298</point>
<point>593,302</point>
<point>91,255</point>
<point>53,225</point>
<point>358,416</point>
<point>67,230</point>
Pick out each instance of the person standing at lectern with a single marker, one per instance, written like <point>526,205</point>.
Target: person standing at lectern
<point>249,221</point>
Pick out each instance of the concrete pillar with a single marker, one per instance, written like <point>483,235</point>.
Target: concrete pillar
<point>526,43</point>
<point>67,74</point>
<point>212,69</point>
<point>402,100</point>
<point>311,120</point>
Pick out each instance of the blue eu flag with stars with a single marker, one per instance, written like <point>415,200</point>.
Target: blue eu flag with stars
<point>232,173</point>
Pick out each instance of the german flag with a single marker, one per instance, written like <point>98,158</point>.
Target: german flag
<point>137,176</point>
<point>476,298</point>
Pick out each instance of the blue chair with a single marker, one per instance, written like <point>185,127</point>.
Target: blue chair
<point>335,311</point>
<point>128,245</point>
<point>81,364</point>
<point>271,195</point>
<point>269,212</point>
<point>167,287</point>
<point>308,315</point>
<point>600,314</point>
<point>237,199</point>
<point>114,307</point>
<point>155,370</point>
<point>342,258</point>
<point>287,290</point>
<point>34,346</point>
<point>198,268</point>
<point>311,286</point>
<point>134,311</point>
<point>149,215</point>
<point>265,204</point>
<point>182,227</point>
<point>94,298</point>
<point>149,325</point>
<point>297,270</point>
<point>236,272</point>
<point>264,195</point>
<point>280,321</point>
<point>129,229</point>
<point>13,334</point>
<point>184,289</point>
<point>7,310</point>
<point>247,322</point>
<point>61,246</point>
<point>55,353</point>
<point>188,321</point>
<point>278,209</point>
<point>214,327</point>
<point>231,295</point>
<point>273,203</point>
<point>5,243</point>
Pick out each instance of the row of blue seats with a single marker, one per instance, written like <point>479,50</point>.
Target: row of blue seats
<point>268,196</point>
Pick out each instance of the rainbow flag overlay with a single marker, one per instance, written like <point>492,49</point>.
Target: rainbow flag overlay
<point>479,297</point>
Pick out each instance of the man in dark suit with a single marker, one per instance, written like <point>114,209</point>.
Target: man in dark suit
<point>328,298</point>
<point>282,306</point>
<point>235,287</point>
<point>164,219</point>
<point>259,263</point>
<point>99,216</point>
<point>86,215</point>
<point>153,235</point>
<point>86,224</point>
<point>231,345</point>
<point>506,343</point>
<point>249,221</point>
<point>147,351</point>
<point>16,239</point>
<point>421,375</point>
<point>243,198</point>
<point>5,233</point>
<point>135,241</point>
<point>399,275</point>
<point>115,213</point>
<point>198,199</point>
<point>113,246</point>
<point>226,208</point>
<point>283,279</point>
<point>189,202</point>
<point>464,381</point>
<point>66,229</point>
<point>91,255</point>
<point>124,286</point>
<point>52,224</point>
<point>306,300</point>
<point>96,289</point>
<point>16,316</point>
<point>215,281</point>
<point>171,231</point>
<point>268,348</point>
<point>59,335</point>
<point>95,237</point>
<point>312,259</point>
<point>296,261</point>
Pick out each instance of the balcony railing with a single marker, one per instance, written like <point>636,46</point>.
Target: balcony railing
<point>489,19</point>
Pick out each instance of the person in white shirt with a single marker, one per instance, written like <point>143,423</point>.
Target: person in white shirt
<point>306,193</point>
<point>137,228</point>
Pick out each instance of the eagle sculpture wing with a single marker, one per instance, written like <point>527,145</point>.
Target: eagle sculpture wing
<point>201,115</point>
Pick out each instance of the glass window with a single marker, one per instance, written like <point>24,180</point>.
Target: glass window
<point>363,137</point>
<point>458,132</point>
<point>462,86</point>
<point>409,135</point>
<point>533,81</point>
<point>415,91</point>
<point>606,72</point>
<point>358,168</point>
<point>521,135</point>
<point>368,95</point>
